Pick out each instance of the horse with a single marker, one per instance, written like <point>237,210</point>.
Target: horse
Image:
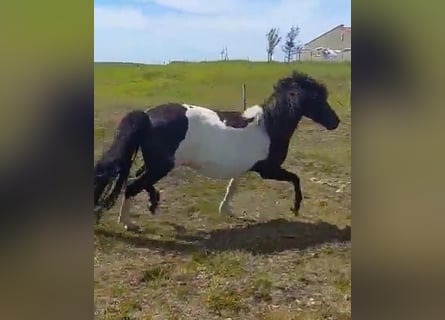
<point>217,144</point>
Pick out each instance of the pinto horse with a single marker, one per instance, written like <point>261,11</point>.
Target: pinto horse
<point>218,144</point>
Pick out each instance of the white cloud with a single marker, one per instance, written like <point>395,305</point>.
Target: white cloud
<point>199,6</point>
<point>202,28</point>
<point>113,17</point>
<point>240,15</point>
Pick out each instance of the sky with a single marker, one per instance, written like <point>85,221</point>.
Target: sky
<point>157,31</point>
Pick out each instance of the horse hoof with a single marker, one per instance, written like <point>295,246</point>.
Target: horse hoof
<point>152,209</point>
<point>295,211</point>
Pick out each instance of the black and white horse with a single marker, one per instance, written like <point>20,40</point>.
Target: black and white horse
<point>218,144</point>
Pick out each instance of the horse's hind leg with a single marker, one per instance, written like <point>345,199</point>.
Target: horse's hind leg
<point>151,159</point>
<point>154,198</point>
<point>146,181</point>
<point>158,170</point>
<point>132,189</point>
<point>153,194</point>
<point>224,206</point>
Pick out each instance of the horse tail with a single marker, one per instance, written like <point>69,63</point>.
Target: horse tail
<point>133,132</point>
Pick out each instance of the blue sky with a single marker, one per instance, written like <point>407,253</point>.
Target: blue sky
<point>154,31</point>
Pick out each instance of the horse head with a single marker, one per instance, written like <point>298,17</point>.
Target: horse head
<point>305,96</point>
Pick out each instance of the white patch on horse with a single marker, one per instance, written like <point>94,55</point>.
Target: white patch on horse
<point>219,151</point>
<point>254,112</point>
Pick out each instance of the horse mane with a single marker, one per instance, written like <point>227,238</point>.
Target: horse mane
<point>281,120</point>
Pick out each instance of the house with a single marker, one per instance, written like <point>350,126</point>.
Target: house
<point>333,45</point>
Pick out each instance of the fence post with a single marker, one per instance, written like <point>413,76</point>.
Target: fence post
<point>244,96</point>
<point>350,82</point>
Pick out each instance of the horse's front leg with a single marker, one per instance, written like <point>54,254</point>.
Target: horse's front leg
<point>224,206</point>
<point>280,174</point>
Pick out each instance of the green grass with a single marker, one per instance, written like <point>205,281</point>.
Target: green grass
<point>191,263</point>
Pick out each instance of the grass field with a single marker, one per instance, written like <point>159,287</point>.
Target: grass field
<point>191,263</point>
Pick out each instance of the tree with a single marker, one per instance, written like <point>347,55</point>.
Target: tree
<point>224,54</point>
<point>273,38</point>
<point>299,50</point>
<point>290,46</point>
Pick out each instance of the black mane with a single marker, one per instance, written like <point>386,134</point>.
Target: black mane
<point>280,119</point>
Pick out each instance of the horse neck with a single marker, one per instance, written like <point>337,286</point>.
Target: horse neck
<point>280,123</point>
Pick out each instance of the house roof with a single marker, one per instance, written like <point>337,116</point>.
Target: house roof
<point>342,26</point>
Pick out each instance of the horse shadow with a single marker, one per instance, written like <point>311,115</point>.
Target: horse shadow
<point>275,236</point>
<point>259,238</point>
